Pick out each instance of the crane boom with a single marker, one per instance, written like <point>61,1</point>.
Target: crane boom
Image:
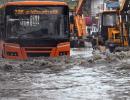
<point>123,4</point>
<point>78,27</point>
<point>79,6</point>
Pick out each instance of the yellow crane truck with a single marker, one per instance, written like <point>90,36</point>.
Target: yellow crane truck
<point>113,30</point>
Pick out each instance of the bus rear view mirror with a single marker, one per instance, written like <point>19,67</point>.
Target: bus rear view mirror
<point>12,20</point>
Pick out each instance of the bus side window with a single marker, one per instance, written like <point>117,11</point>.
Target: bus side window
<point>1,22</point>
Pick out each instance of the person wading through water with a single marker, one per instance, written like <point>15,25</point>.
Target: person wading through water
<point>94,42</point>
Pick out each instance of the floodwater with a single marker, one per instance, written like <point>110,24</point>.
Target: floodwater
<point>78,77</point>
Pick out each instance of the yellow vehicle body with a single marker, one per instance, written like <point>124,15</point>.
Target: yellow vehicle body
<point>114,36</point>
<point>114,32</point>
<point>80,25</point>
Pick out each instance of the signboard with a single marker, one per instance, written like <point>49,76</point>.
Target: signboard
<point>113,4</point>
<point>21,11</point>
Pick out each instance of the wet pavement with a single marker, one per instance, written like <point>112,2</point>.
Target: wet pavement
<point>79,77</point>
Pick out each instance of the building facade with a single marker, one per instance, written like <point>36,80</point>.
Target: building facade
<point>96,7</point>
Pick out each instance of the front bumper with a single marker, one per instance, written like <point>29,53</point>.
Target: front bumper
<point>15,51</point>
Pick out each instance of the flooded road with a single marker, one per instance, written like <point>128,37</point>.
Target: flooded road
<point>63,78</point>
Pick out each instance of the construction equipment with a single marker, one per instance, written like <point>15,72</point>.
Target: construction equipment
<point>113,29</point>
<point>33,29</point>
<point>125,12</point>
<point>77,25</point>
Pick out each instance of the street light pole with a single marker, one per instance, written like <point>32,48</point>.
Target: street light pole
<point>103,5</point>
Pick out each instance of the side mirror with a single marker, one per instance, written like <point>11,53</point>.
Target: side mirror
<point>11,19</point>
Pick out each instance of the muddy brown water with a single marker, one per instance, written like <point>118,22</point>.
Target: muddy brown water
<point>64,78</point>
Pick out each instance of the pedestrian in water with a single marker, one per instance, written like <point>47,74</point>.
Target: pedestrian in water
<point>94,42</point>
<point>101,46</point>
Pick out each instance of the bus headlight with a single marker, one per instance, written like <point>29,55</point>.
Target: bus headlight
<point>12,53</point>
<point>62,53</point>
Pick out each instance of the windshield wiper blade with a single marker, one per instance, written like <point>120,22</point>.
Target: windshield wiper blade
<point>35,35</point>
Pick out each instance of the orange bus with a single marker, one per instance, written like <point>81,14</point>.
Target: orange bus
<point>33,29</point>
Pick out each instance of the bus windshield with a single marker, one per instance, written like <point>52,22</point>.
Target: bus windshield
<point>109,19</point>
<point>33,21</point>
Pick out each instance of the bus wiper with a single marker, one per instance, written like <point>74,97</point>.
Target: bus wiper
<point>38,33</point>
<point>21,35</point>
<point>35,35</point>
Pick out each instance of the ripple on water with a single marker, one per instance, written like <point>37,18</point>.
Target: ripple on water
<point>64,79</point>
